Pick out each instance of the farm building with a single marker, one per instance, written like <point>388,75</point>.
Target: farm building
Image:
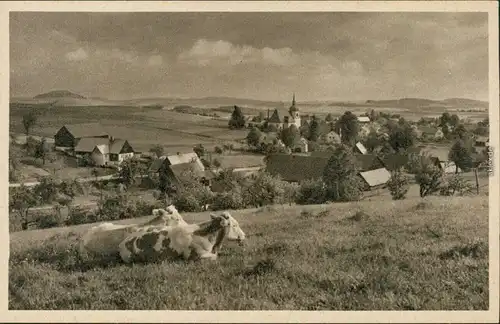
<point>70,135</point>
<point>431,132</point>
<point>363,119</point>
<point>375,179</point>
<point>481,141</point>
<point>174,159</point>
<point>177,172</point>
<point>103,152</point>
<point>361,148</point>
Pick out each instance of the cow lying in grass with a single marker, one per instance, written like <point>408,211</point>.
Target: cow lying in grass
<point>196,241</point>
<point>103,240</point>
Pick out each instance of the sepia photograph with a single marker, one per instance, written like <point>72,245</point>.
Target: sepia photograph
<point>316,160</point>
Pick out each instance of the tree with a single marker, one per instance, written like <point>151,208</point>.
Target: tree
<point>130,170</point>
<point>401,137</point>
<point>237,120</point>
<point>329,118</point>
<point>428,176</point>
<point>42,150</point>
<point>264,190</point>
<point>372,141</point>
<point>305,129</point>
<point>216,163</point>
<point>47,190</point>
<point>22,200</point>
<point>398,185</point>
<point>460,132</point>
<point>29,121</point>
<point>341,175</point>
<point>461,154</point>
<point>373,115</point>
<point>444,119</point>
<point>199,150</point>
<point>290,136</point>
<point>157,149</point>
<point>95,173</point>
<point>349,127</point>
<point>314,129</point>
<point>253,137</point>
<point>218,150</point>
<point>445,130</point>
<point>454,120</point>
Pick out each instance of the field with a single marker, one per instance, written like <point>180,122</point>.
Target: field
<point>416,254</point>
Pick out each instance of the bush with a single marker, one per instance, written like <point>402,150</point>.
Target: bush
<point>456,185</point>
<point>428,176</point>
<point>186,202</point>
<point>51,219</point>
<point>264,190</point>
<point>228,200</point>
<point>78,215</point>
<point>311,192</point>
<point>398,185</point>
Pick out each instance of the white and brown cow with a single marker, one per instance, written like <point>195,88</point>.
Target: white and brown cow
<point>103,240</point>
<point>196,241</point>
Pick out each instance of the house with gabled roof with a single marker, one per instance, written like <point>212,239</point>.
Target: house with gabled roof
<point>70,135</point>
<point>173,159</point>
<point>375,179</point>
<point>104,152</point>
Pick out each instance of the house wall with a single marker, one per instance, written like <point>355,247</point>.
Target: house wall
<point>124,156</point>
<point>64,138</point>
<point>99,158</point>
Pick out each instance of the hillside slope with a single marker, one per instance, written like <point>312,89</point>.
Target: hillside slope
<point>415,254</point>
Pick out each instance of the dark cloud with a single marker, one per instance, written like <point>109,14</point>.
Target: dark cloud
<point>262,55</point>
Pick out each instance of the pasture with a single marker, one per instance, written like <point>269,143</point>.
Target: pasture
<point>416,254</point>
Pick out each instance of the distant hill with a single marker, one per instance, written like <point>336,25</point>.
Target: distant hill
<point>59,94</point>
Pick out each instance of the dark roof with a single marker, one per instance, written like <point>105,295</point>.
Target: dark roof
<point>394,161</point>
<point>368,162</point>
<point>86,130</point>
<point>179,169</point>
<point>275,118</point>
<point>296,167</point>
<point>87,144</point>
<point>156,164</point>
<point>116,146</point>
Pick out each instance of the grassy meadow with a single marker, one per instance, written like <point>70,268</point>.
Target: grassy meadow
<point>416,254</point>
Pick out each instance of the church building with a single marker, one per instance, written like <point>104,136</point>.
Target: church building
<point>293,117</point>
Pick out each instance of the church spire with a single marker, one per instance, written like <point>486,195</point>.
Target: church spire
<point>293,100</point>
<point>292,107</point>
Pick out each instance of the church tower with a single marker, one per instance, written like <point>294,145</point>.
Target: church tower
<point>294,114</point>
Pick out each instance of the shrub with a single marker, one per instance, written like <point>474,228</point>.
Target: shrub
<point>186,202</point>
<point>228,200</point>
<point>264,190</point>
<point>51,219</point>
<point>398,185</point>
<point>78,215</point>
<point>428,176</point>
<point>456,185</point>
<point>311,192</point>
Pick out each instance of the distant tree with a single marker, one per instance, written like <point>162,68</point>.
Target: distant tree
<point>199,150</point>
<point>329,118</point>
<point>253,137</point>
<point>314,129</point>
<point>290,136</point>
<point>445,130</point>
<point>22,200</point>
<point>341,176</point>
<point>157,149</point>
<point>29,121</point>
<point>42,150</point>
<point>271,128</point>
<point>261,117</point>
<point>218,150</point>
<point>372,141</point>
<point>454,120</point>
<point>482,128</point>
<point>130,170</point>
<point>349,127</point>
<point>460,132</point>
<point>46,190</point>
<point>461,154</point>
<point>264,190</point>
<point>228,147</point>
<point>398,185</point>
<point>401,137</point>
<point>304,130</point>
<point>216,163</point>
<point>444,119</point>
<point>373,115</point>
<point>237,120</point>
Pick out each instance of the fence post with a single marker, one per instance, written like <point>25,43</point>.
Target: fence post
<point>477,180</point>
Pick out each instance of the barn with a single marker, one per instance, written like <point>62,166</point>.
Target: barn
<point>70,135</point>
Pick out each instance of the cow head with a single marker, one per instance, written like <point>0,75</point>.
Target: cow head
<point>233,230</point>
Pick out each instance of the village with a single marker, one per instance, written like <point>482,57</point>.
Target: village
<point>295,148</point>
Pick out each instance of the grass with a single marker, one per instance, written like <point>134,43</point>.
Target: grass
<point>415,254</point>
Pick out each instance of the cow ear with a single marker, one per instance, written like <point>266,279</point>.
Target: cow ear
<point>225,215</point>
<point>213,216</point>
<point>155,212</point>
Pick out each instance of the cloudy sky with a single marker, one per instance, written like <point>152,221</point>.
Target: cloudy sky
<point>340,56</point>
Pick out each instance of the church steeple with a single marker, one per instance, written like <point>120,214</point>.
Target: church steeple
<point>293,108</point>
